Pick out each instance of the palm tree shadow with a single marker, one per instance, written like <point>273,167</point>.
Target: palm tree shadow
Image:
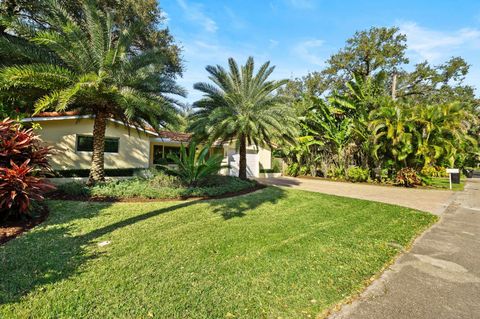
<point>52,253</point>
<point>238,206</point>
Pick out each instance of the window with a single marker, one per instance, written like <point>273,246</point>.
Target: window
<point>85,144</point>
<point>216,151</point>
<point>161,153</point>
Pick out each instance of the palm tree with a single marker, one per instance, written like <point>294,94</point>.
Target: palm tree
<point>393,130</point>
<point>242,106</point>
<point>91,67</point>
<point>443,129</point>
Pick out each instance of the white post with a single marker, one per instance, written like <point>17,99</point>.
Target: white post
<point>450,178</point>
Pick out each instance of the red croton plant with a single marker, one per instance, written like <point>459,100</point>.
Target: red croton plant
<point>23,161</point>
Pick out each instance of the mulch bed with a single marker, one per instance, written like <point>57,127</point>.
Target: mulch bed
<point>57,195</point>
<point>12,229</point>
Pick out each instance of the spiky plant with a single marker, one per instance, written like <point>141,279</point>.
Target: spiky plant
<point>242,106</point>
<point>193,167</point>
<point>91,67</point>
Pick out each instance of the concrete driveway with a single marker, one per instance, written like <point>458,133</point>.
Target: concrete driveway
<point>439,278</point>
<point>429,200</point>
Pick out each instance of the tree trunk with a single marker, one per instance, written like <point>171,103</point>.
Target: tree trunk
<point>97,170</point>
<point>394,86</point>
<point>243,158</point>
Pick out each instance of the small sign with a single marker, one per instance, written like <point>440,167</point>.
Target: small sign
<point>453,170</point>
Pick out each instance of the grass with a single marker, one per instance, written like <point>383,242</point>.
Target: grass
<point>444,183</point>
<point>273,253</point>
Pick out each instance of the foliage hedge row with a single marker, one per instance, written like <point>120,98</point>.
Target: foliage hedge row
<point>117,172</point>
<point>163,187</point>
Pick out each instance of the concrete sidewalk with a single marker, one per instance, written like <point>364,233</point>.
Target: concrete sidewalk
<point>440,276</point>
<point>429,200</point>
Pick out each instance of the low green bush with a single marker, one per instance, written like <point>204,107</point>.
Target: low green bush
<point>117,172</point>
<point>277,166</point>
<point>358,174</point>
<point>293,169</point>
<point>156,188</point>
<point>161,179</point>
<point>335,172</point>
<point>434,171</point>
<point>269,170</point>
<point>74,189</point>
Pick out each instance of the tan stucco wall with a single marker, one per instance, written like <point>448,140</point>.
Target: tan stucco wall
<point>265,158</point>
<point>134,148</point>
<point>264,154</point>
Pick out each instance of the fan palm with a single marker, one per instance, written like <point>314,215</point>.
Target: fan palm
<point>242,106</point>
<point>91,68</point>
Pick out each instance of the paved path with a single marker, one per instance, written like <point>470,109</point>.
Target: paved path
<point>439,278</point>
<point>434,201</point>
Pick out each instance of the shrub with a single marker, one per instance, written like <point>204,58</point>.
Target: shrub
<point>215,185</point>
<point>293,169</point>
<point>18,145</point>
<point>22,162</point>
<point>276,166</point>
<point>74,189</point>
<point>193,167</point>
<point>161,179</point>
<point>432,171</point>
<point>358,174</point>
<point>110,172</point>
<point>335,172</point>
<point>304,170</point>
<point>18,188</point>
<point>407,177</point>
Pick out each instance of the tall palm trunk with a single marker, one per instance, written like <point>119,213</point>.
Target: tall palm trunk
<point>97,170</point>
<point>243,158</point>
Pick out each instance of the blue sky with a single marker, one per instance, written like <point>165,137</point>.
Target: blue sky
<point>299,35</point>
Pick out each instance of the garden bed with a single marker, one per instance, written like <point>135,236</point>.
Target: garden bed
<point>12,229</point>
<point>147,190</point>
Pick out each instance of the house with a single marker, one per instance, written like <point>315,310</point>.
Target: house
<point>70,135</point>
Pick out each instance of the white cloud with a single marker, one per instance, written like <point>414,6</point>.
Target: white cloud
<point>234,20</point>
<point>194,13</point>
<point>434,45</point>
<point>308,51</point>
<point>302,4</point>
<point>273,43</point>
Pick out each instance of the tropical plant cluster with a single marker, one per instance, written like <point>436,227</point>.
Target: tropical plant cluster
<point>374,117</point>
<point>23,163</point>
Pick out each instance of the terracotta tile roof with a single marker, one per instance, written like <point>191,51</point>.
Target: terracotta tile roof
<point>56,114</point>
<point>176,136</point>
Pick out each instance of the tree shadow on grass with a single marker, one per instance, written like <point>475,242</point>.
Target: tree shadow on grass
<point>51,253</point>
<point>238,206</point>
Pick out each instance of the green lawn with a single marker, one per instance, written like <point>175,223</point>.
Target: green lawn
<point>273,253</point>
<point>444,183</point>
